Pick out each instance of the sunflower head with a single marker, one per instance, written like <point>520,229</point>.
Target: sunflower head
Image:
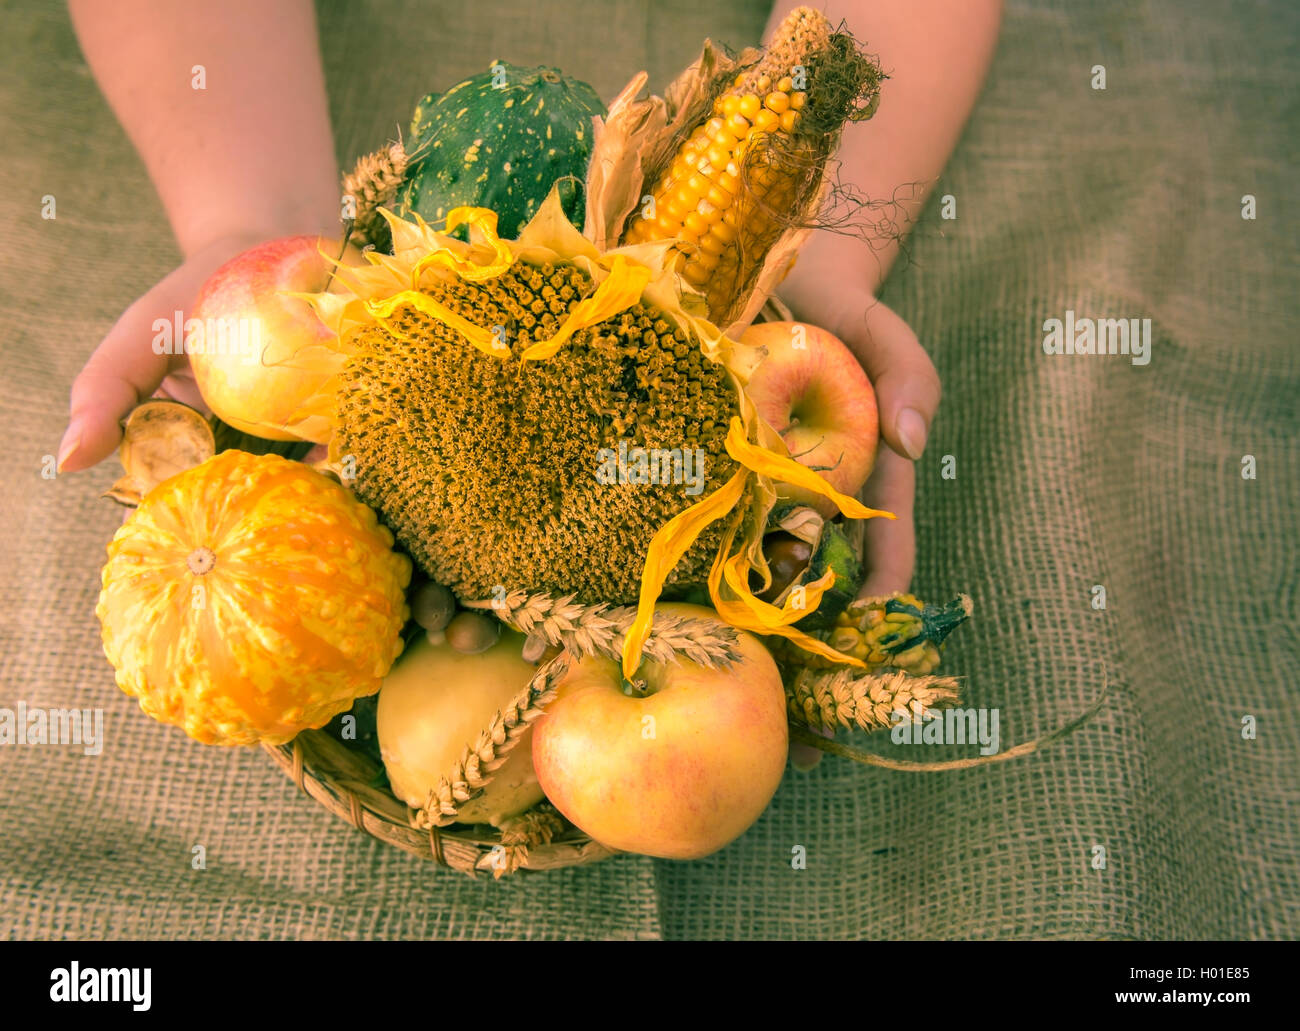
<point>496,472</point>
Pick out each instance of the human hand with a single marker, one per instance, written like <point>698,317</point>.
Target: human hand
<point>907,395</point>
<point>125,370</point>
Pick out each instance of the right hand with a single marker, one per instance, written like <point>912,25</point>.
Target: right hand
<point>124,370</point>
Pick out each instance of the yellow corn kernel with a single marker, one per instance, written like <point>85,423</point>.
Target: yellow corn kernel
<point>762,177</point>
<point>674,208</point>
<point>750,106</point>
<point>777,103</point>
<point>717,156</point>
<point>785,85</point>
<point>767,121</point>
<point>708,262</point>
<point>797,100</point>
<point>695,275</point>
<point>723,230</point>
<point>788,121</point>
<point>738,125</point>
<point>712,243</point>
<point>694,224</point>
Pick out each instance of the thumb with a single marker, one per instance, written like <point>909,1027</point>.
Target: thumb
<point>122,372</point>
<point>906,383</point>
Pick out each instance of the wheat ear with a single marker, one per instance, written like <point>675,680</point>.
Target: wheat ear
<point>584,630</point>
<point>538,826</point>
<point>481,759</point>
<point>373,184</point>
<point>833,700</point>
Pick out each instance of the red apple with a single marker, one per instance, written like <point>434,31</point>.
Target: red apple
<point>250,362</point>
<point>678,773</point>
<point>811,389</point>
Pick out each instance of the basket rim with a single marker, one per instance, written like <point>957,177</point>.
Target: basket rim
<point>307,760</point>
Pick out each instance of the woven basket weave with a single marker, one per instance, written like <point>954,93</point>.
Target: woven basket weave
<point>343,780</point>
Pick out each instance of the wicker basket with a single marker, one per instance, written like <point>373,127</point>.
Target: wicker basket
<point>343,780</point>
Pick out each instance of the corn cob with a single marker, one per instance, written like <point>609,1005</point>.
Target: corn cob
<point>898,630</point>
<point>745,174</point>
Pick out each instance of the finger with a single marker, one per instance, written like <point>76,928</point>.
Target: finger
<point>906,383</point>
<point>804,757</point>
<point>890,546</point>
<point>181,386</point>
<point>123,371</point>
<point>118,375</point>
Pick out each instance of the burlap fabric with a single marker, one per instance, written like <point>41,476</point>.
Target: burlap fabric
<point>1070,472</point>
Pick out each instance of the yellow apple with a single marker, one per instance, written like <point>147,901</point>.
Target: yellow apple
<point>678,773</point>
<point>248,329</point>
<point>434,702</point>
<point>812,390</point>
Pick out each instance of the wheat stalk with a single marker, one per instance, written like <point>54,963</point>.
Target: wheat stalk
<point>584,630</point>
<point>831,700</point>
<point>481,759</point>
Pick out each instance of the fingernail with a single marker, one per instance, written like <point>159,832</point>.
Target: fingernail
<point>71,441</point>
<point>910,428</point>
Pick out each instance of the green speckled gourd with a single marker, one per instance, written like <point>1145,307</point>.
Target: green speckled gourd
<point>500,140</point>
